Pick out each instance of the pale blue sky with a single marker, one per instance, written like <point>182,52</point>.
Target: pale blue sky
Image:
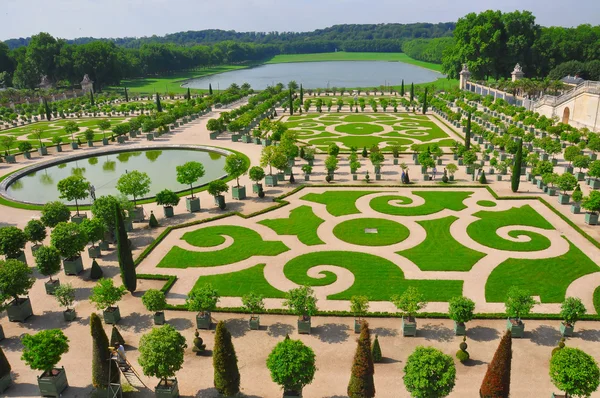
<point>119,18</point>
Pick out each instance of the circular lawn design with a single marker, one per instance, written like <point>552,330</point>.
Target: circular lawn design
<point>486,203</point>
<point>359,128</point>
<point>371,232</point>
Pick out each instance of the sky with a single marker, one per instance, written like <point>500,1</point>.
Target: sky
<point>135,18</point>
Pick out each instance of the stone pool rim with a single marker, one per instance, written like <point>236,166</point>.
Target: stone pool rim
<point>13,177</point>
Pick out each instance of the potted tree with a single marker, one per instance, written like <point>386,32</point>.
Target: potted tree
<point>188,174</point>
<point>302,302</point>
<point>35,230</point>
<point>577,196</point>
<point>581,162</point>
<point>359,305</point>
<point>70,240</point>
<point>89,137</point>
<point>202,299</point>
<point>71,128</point>
<point>256,174</point>
<point>235,166</point>
<point>460,311</point>
<point>65,295</point>
<point>104,296</point>
<point>377,159</point>
<point>47,261</point>
<point>42,351</point>
<point>451,168</point>
<point>74,188</point>
<point>253,303</point>
<point>137,184</point>
<point>565,182</point>
<point>15,281</point>
<point>272,156</point>
<point>592,204</point>
<point>94,230</point>
<point>12,243</point>
<point>167,199</point>
<point>154,301</point>
<point>25,147</point>
<point>104,125</point>
<point>216,188</point>
<point>570,310</point>
<point>292,366</point>
<point>409,303</point>
<point>54,213</point>
<point>161,355</point>
<point>574,372</point>
<point>518,303</point>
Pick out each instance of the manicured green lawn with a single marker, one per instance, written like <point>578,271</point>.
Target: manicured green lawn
<point>302,223</point>
<point>484,230</point>
<point>361,141</point>
<point>486,203</point>
<point>386,232</point>
<point>247,243</point>
<point>597,300</point>
<point>352,56</point>
<point>374,277</point>
<point>237,284</point>
<point>339,203</point>
<point>435,201</point>
<point>548,278</point>
<point>440,251</point>
<point>359,128</point>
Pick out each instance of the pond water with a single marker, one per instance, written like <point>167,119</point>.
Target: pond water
<point>366,74</point>
<point>103,171</point>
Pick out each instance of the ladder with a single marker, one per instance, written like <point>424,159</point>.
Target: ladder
<point>132,377</point>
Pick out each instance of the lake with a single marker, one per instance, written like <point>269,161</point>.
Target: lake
<point>348,74</point>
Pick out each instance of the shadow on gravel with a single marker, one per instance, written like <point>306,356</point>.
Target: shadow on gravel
<point>384,332</point>
<point>545,335</point>
<point>589,335</point>
<point>436,332</point>
<point>482,333</point>
<point>238,327</point>
<point>212,393</point>
<point>331,333</point>
<point>136,321</point>
<point>280,329</point>
<point>180,323</point>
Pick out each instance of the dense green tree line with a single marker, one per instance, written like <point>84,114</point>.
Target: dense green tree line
<point>429,50</point>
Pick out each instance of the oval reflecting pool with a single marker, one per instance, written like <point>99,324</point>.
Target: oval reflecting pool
<point>103,171</point>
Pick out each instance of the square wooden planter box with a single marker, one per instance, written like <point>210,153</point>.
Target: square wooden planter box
<point>74,145</point>
<point>203,320</point>
<point>168,211</point>
<point>51,286</point>
<point>69,315</point>
<point>460,329</point>
<point>575,209</point>
<point>94,251</point>
<point>566,330</point>
<point>19,311</point>
<point>563,199</point>
<point>78,218</point>
<point>304,325</point>
<point>256,188</point>
<point>254,322</point>
<point>111,315</point>
<point>150,136</point>
<point>517,328</point>
<point>159,318</point>
<point>43,151</point>
<point>53,385</point>
<point>5,382</point>
<point>73,267</point>
<point>271,180</point>
<point>580,176</point>
<point>137,214</point>
<point>169,391</point>
<point>239,192</point>
<point>595,183</point>
<point>103,245</point>
<point>357,325</point>
<point>280,176</point>
<point>409,327</point>
<point>192,204</point>
<point>292,394</point>
<point>591,218</point>
<point>220,201</point>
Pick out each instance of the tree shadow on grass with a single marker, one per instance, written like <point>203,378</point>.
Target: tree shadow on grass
<point>238,327</point>
<point>332,333</point>
<point>545,335</point>
<point>280,329</point>
<point>180,323</point>
<point>482,333</point>
<point>436,332</point>
<point>384,332</point>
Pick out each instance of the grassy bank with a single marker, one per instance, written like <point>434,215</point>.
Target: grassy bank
<point>345,56</point>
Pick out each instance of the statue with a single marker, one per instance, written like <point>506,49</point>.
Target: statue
<point>45,84</point>
<point>465,68</point>
<point>518,68</point>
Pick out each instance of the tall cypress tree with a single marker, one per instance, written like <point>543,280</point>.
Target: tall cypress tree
<point>92,102</point>
<point>158,105</point>
<point>361,383</point>
<point>402,89</point>
<point>227,375</point>
<point>47,110</point>
<point>412,92</point>
<point>468,133</point>
<point>516,171</point>
<point>210,89</point>
<point>496,383</point>
<point>101,355</point>
<point>189,94</point>
<point>425,102</point>
<point>126,95</point>
<point>126,263</point>
<point>291,103</point>
<point>301,95</point>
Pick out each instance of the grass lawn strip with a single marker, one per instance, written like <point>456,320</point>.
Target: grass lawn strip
<point>246,243</point>
<point>548,278</point>
<point>237,284</point>
<point>338,203</point>
<point>440,251</point>
<point>486,203</point>
<point>375,277</point>
<point>484,230</point>
<point>302,223</point>
<point>434,202</point>
<point>385,232</point>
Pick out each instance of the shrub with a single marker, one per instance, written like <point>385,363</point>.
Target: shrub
<point>361,383</point>
<point>65,295</point>
<point>15,278</point>
<point>292,364</point>
<point>217,187</point>
<point>152,222</point>
<point>560,346</point>
<point>574,372</point>
<point>461,309</point>
<point>154,300</point>
<point>202,299</point>
<point>577,194</point>
<point>482,179</point>
<point>101,355</point>
<point>69,239</point>
<point>496,382</point>
<point>161,352</point>
<point>96,272</point>
<point>35,230</point>
<point>12,241</point>
<point>592,202</point>
<point>105,294</point>
<point>376,351</point>
<point>199,345</point>
<point>333,150</point>
<point>166,198</point>
<point>256,174</point>
<point>429,373</point>
<point>43,350</point>
<point>462,355</point>
<point>571,310</point>
<point>227,374</point>
<point>126,264</point>
<point>47,260</point>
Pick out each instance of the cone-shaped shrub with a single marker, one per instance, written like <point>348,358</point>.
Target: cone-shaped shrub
<point>496,383</point>
<point>115,337</point>
<point>101,355</point>
<point>227,375</point>
<point>126,263</point>
<point>153,222</point>
<point>376,351</point>
<point>516,170</point>
<point>4,365</point>
<point>96,272</point>
<point>361,383</point>
<point>482,179</point>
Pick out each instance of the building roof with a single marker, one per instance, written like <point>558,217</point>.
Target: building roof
<point>572,80</point>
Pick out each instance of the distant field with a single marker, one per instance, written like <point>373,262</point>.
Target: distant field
<point>345,56</point>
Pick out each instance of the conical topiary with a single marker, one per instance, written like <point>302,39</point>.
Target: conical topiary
<point>561,345</point>
<point>115,337</point>
<point>482,179</point>
<point>199,346</point>
<point>376,351</point>
<point>101,355</point>
<point>227,375</point>
<point>462,354</point>
<point>361,383</point>
<point>96,272</point>
<point>292,179</point>
<point>4,365</point>
<point>496,383</point>
<point>153,223</point>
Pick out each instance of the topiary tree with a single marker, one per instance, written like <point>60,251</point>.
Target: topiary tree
<point>105,294</point>
<point>47,261</point>
<point>12,242</point>
<point>167,198</point>
<point>301,301</point>
<point>581,162</point>
<point>101,356</point>
<point>94,229</point>
<point>189,173</point>
<point>482,179</point>
<point>574,372</point>
<point>361,383</point>
<point>376,351</point>
<point>65,295</point>
<point>74,188</point>
<point>227,374</point>
<point>496,382</point>
<point>35,230</point>
<point>429,373</point>
<point>54,213</point>
<point>518,303</point>
<point>235,166</point>
<point>115,337</point>
<point>15,279</point>
<point>202,299</point>
<point>96,272</point>
<point>571,310</point>
<point>256,174</point>
<point>292,365</point>
<point>134,183</point>
<point>69,239</point>
<point>126,263</point>
<point>359,305</point>
<point>516,170</point>
<point>161,353</point>
<point>461,309</point>
<point>566,182</point>
<point>462,354</point>
<point>253,302</point>
<point>410,302</point>
<point>43,350</point>
<point>154,300</point>
<point>592,202</point>
<point>216,188</point>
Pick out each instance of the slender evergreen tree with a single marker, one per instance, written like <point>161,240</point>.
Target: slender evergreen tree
<point>115,337</point>
<point>101,355</point>
<point>425,102</point>
<point>376,350</point>
<point>291,103</point>
<point>92,102</point>
<point>96,272</point>
<point>126,95</point>
<point>516,171</point>
<point>126,263</point>
<point>412,92</point>
<point>227,375</point>
<point>189,95</point>
<point>361,383</point>
<point>496,383</point>
<point>468,133</point>
<point>210,89</point>
<point>301,95</point>
<point>158,105</point>
<point>402,89</point>
<point>47,110</point>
